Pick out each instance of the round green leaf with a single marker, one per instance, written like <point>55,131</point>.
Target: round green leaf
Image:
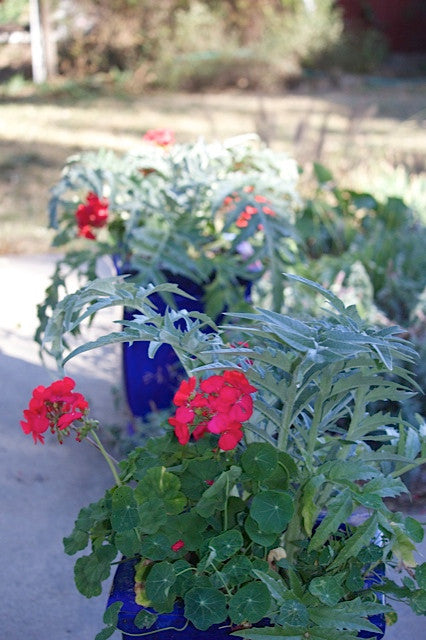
<point>204,607</point>
<point>272,510</point>
<point>250,603</point>
<point>152,515</point>
<point>256,534</point>
<point>259,460</point>
<point>293,613</point>
<point>145,619</point>
<point>237,570</point>
<point>111,613</point>
<point>327,589</point>
<point>124,512</point>
<point>185,578</point>
<point>155,547</point>
<point>226,544</point>
<point>127,542</point>
<point>189,527</point>
<point>160,483</point>
<point>159,581</point>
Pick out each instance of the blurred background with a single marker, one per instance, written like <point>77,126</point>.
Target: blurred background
<point>341,82</point>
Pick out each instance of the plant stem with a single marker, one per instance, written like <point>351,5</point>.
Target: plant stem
<point>286,414</point>
<point>408,467</point>
<point>110,460</point>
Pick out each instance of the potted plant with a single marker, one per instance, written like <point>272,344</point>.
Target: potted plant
<point>261,512</point>
<point>186,213</point>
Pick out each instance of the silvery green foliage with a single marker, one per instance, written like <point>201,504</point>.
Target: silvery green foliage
<point>167,219</point>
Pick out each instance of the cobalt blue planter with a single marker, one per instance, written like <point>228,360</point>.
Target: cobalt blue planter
<point>123,590</point>
<point>150,383</point>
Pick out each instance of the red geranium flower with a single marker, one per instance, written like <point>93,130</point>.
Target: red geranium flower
<point>160,137</point>
<point>56,406</point>
<point>220,406</point>
<point>92,214</point>
<point>186,388</point>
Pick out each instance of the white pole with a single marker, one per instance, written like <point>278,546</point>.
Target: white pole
<point>37,50</point>
<point>309,5</point>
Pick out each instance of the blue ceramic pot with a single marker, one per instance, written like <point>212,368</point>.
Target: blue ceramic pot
<point>174,626</point>
<point>150,383</point>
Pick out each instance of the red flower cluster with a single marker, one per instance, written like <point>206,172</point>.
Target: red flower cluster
<point>220,406</point>
<point>249,211</point>
<point>160,137</point>
<point>55,406</point>
<point>93,214</point>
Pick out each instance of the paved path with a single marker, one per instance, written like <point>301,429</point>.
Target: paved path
<point>43,487</point>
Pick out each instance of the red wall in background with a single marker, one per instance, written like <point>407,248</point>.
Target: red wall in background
<point>402,21</point>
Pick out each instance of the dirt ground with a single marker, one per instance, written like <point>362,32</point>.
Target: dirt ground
<point>358,128</point>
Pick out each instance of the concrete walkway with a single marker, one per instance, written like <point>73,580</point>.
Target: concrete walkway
<point>43,487</point>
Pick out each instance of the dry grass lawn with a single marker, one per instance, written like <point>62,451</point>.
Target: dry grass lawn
<point>362,132</point>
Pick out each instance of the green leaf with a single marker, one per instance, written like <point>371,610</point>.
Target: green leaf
<point>159,581</point>
<point>353,545</point>
<point>346,615</point>
<point>159,483</point>
<point>418,602</point>
<point>214,497</point>
<point>327,589</point>
<point>198,473</point>
<point>127,542</point>
<point>152,515</point>
<point>106,633</point>
<point>293,613</point>
<point>237,570</point>
<point>267,633</point>
<point>189,527</point>
<point>256,534</point>
<point>226,544</point>
<point>339,510</point>
<point>185,578</point>
<point>250,603</point>
<point>90,571</point>
<point>259,460</point>
<point>155,547</point>
<point>276,586</point>
<point>308,502</point>
<point>111,613</point>
<point>77,541</point>
<point>322,174</point>
<point>421,575</point>
<point>124,511</point>
<point>272,510</point>
<point>145,619</point>
<point>204,607</point>
<point>414,529</point>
